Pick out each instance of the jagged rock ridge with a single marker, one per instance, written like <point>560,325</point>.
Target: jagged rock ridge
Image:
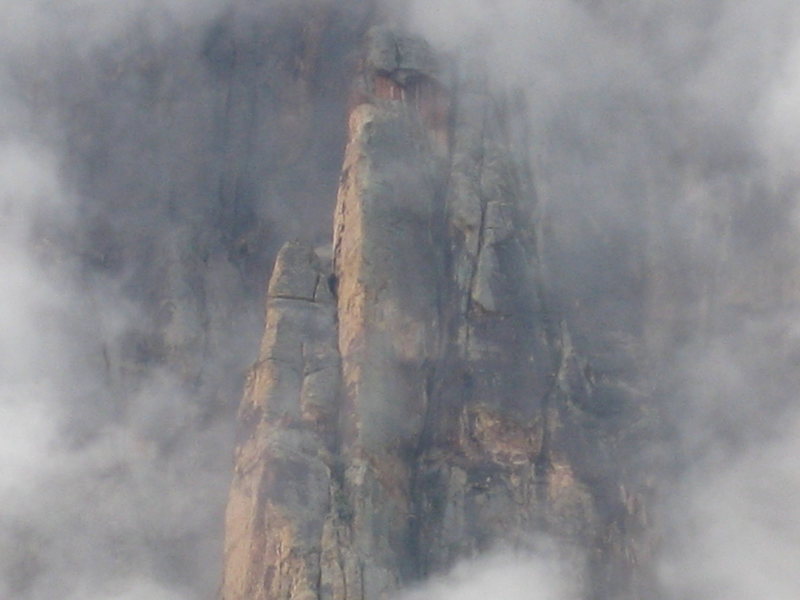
<point>415,402</point>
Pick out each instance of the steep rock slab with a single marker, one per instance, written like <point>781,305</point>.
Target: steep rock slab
<point>489,473</point>
<point>281,492</point>
<point>388,277</point>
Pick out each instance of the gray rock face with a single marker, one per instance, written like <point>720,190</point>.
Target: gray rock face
<point>401,57</point>
<point>282,490</point>
<point>418,403</point>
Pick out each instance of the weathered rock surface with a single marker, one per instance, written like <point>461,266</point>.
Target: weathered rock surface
<point>418,403</point>
<point>281,494</point>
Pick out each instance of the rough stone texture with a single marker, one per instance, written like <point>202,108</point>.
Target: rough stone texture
<point>388,271</point>
<point>400,57</point>
<point>282,490</point>
<point>421,404</point>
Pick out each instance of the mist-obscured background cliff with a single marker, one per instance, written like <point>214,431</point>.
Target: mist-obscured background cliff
<point>154,157</point>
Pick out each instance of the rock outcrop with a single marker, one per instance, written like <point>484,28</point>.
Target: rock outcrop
<point>416,401</point>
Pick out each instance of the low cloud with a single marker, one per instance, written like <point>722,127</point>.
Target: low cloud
<point>511,576</point>
<point>111,483</point>
<point>737,524</point>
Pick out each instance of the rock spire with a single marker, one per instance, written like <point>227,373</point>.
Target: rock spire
<point>415,402</point>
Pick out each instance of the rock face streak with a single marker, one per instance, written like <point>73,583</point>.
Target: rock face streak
<point>415,402</point>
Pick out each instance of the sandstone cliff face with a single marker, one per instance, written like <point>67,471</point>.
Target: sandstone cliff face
<point>416,401</point>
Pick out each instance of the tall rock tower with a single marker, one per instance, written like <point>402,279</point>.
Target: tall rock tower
<point>416,401</point>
